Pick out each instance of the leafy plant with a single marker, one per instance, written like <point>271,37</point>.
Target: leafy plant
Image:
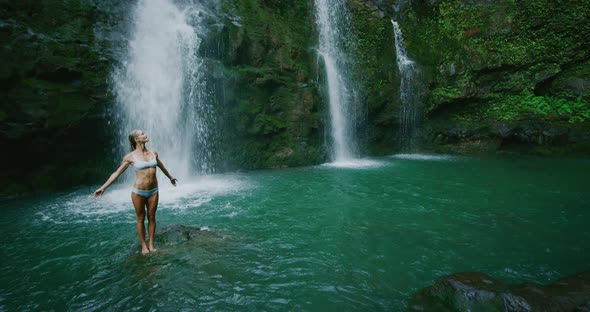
<point>515,106</point>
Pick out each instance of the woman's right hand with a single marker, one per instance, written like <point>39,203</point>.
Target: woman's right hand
<point>98,193</point>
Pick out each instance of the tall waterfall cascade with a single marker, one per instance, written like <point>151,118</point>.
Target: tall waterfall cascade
<point>160,86</point>
<point>332,18</point>
<point>410,110</point>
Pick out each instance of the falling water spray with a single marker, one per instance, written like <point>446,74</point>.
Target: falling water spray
<point>160,86</point>
<point>409,113</point>
<point>332,18</point>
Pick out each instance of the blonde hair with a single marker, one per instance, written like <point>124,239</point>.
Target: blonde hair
<point>132,136</point>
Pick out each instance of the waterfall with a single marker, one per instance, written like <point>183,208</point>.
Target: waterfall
<point>332,19</point>
<point>409,100</point>
<point>160,86</point>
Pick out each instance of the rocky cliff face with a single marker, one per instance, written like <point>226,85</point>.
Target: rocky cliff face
<point>272,114</point>
<point>501,75</point>
<point>273,83</point>
<point>54,90</point>
<point>496,75</point>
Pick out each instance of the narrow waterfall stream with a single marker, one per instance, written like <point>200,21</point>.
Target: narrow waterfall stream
<point>409,114</point>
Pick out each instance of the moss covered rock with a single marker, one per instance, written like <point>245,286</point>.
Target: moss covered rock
<point>272,108</point>
<point>502,61</point>
<point>54,86</point>
<point>475,291</point>
<point>376,76</point>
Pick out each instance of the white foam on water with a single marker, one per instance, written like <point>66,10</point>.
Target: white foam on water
<point>79,207</point>
<point>423,157</point>
<point>201,190</point>
<point>355,164</point>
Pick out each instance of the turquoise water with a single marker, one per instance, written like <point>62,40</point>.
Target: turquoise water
<point>363,237</point>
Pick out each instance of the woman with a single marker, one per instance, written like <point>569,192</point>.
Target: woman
<point>145,189</point>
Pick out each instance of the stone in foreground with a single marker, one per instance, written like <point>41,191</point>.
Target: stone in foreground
<point>474,291</point>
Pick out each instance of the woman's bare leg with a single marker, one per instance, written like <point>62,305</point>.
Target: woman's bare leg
<point>152,206</point>
<point>139,203</point>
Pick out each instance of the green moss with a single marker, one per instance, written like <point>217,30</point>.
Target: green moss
<point>442,95</point>
<point>529,106</point>
<point>55,87</point>
<point>375,75</point>
<point>499,33</point>
<point>458,19</point>
<point>272,101</point>
<point>506,60</point>
<point>266,124</point>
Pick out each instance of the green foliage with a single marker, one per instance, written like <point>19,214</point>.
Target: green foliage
<point>445,94</point>
<point>287,8</point>
<point>492,34</point>
<point>458,19</point>
<point>270,105</point>
<point>266,124</point>
<point>56,73</point>
<point>516,107</point>
<point>374,55</point>
<point>369,30</point>
<point>273,34</point>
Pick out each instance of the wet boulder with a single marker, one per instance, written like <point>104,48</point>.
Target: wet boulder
<point>475,291</point>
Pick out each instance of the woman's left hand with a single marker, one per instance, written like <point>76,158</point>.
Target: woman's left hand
<point>173,181</point>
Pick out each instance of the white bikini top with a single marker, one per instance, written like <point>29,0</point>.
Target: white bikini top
<point>140,164</point>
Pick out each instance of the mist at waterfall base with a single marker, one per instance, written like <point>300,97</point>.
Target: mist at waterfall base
<point>312,239</point>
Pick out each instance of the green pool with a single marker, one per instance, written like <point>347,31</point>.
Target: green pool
<point>357,237</point>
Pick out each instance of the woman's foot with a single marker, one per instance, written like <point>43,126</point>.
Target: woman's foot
<point>152,248</point>
<point>144,250</point>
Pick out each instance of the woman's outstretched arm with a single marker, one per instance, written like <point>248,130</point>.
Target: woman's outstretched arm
<point>126,162</point>
<point>163,168</point>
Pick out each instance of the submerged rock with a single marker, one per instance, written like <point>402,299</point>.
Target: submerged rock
<point>180,234</point>
<point>475,291</point>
